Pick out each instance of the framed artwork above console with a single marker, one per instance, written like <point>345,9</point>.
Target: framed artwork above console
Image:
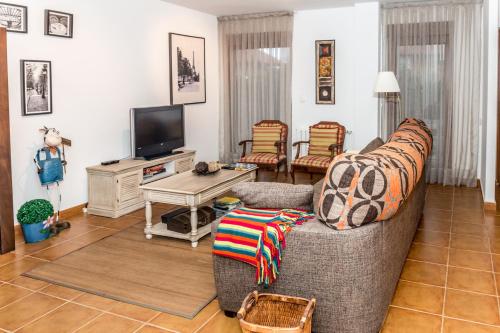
<point>187,69</point>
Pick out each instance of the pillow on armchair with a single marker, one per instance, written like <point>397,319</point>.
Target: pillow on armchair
<point>274,195</point>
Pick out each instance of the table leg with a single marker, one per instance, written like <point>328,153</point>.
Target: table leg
<point>194,225</point>
<point>149,224</point>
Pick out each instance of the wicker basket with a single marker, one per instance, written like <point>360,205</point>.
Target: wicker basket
<point>268,313</point>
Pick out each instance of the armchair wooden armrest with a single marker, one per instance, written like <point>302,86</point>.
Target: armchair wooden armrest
<point>244,144</point>
<point>298,143</point>
<point>278,144</point>
<point>336,148</point>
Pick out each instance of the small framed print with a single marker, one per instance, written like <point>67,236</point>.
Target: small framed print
<point>36,87</point>
<point>14,18</point>
<point>58,24</point>
<point>187,69</point>
<point>325,72</point>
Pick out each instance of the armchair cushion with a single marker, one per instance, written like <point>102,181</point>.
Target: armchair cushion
<point>274,195</point>
<point>264,139</point>
<point>262,158</point>
<point>316,161</point>
<point>321,138</point>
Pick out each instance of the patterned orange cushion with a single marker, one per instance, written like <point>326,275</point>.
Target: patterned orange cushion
<point>265,158</point>
<point>264,139</point>
<point>363,188</point>
<point>320,139</point>
<point>315,161</point>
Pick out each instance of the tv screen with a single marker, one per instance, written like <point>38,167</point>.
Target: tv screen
<point>157,131</point>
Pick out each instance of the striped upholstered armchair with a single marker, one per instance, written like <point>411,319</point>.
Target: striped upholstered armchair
<point>269,145</point>
<point>326,140</point>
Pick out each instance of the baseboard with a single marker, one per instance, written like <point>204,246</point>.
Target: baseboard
<point>72,211</point>
<point>490,206</point>
<point>487,206</point>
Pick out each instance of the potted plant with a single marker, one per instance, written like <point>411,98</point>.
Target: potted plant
<point>36,217</point>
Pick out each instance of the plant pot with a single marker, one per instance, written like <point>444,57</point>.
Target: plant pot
<point>36,232</point>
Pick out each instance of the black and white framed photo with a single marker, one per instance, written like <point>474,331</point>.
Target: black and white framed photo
<point>36,87</point>
<point>14,18</point>
<point>58,24</point>
<point>187,69</point>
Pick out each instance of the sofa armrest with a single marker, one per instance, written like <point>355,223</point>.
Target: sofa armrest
<point>274,195</point>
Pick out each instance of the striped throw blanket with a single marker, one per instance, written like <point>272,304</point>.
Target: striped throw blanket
<point>257,237</point>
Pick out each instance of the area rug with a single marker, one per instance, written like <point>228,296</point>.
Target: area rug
<point>162,274</point>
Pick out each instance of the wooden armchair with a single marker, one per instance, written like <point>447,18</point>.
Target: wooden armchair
<point>326,140</point>
<point>269,145</point>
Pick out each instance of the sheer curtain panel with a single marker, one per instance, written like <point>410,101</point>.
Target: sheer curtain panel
<point>435,50</point>
<point>255,64</point>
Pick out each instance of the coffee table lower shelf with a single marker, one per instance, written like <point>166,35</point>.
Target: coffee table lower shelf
<point>160,229</point>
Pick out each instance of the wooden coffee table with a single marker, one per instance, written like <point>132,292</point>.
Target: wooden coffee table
<point>191,190</point>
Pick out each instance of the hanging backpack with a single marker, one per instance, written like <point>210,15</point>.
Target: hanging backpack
<point>50,169</point>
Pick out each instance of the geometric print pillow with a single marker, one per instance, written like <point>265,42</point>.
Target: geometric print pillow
<point>364,188</point>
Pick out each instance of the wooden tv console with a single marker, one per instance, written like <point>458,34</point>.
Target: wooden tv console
<point>113,190</point>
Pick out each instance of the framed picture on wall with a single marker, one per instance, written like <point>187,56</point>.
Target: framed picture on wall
<point>325,72</point>
<point>187,69</point>
<point>14,18</point>
<point>36,89</point>
<point>58,24</point>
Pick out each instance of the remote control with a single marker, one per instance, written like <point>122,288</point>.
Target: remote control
<point>110,162</point>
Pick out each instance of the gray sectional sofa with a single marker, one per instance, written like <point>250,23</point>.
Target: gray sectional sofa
<point>351,273</point>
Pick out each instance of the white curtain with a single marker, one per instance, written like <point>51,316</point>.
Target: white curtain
<point>435,50</point>
<point>255,65</point>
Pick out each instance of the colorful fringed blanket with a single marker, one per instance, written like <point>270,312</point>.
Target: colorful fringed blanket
<point>257,237</point>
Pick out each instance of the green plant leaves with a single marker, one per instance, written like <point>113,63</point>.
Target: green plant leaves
<point>35,211</point>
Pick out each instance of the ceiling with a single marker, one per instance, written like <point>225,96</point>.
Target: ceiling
<point>236,7</point>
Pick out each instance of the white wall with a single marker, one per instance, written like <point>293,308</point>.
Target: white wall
<point>355,30</point>
<point>118,59</point>
<point>489,112</point>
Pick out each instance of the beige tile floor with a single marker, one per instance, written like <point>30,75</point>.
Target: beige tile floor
<point>449,282</point>
<point>451,279</point>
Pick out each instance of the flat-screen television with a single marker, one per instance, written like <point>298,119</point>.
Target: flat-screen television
<point>156,131</point>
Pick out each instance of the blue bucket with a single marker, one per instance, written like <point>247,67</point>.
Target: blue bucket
<point>35,232</point>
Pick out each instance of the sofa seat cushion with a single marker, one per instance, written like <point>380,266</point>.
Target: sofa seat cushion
<point>313,161</point>
<point>262,158</point>
<point>274,195</point>
<point>363,188</point>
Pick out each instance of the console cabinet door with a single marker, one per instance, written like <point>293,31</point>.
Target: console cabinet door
<point>128,188</point>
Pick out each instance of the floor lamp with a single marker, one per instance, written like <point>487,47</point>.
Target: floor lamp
<point>388,86</point>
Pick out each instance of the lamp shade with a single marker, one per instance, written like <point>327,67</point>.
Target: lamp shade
<point>386,83</point>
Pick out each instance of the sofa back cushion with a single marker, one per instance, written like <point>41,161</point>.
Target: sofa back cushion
<point>363,188</point>
<point>274,195</point>
<point>372,145</point>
